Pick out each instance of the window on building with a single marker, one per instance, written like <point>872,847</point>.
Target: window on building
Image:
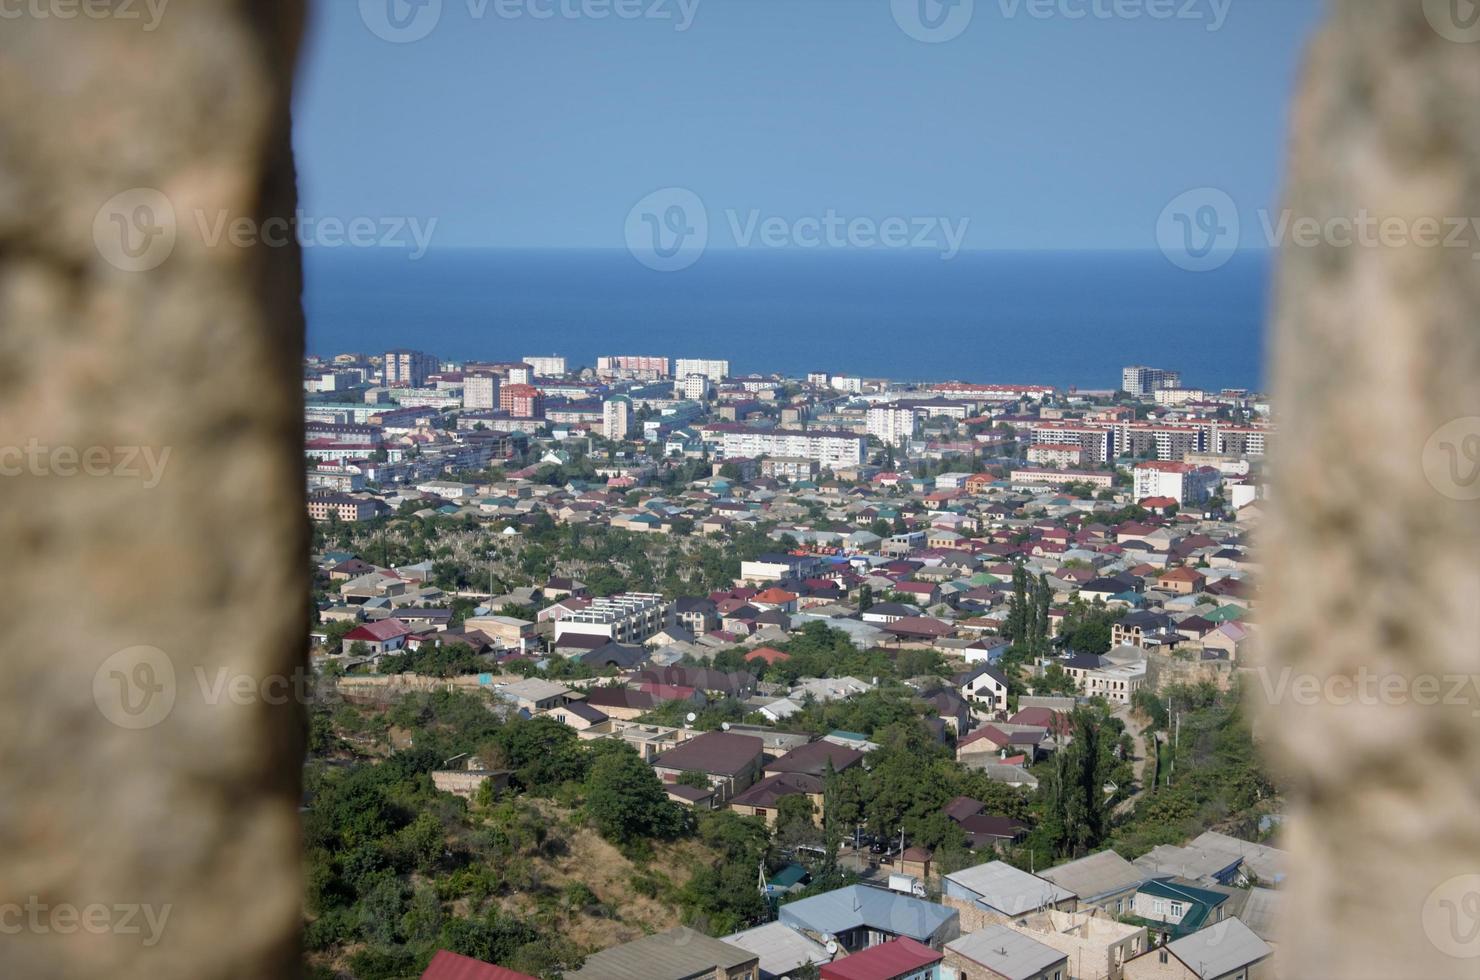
<point>1177,909</point>
<point>1162,956</point>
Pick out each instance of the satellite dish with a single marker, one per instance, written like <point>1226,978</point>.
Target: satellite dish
<point>692,717</point>
<point>832,947</point>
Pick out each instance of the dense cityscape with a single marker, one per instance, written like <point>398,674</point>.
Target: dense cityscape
<point>648,670</point>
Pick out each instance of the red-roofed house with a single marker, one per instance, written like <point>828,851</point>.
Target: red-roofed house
<point>774,598</point>
<point>451,966</point>
<point>380,638</point>
<point>767,655</point>
<point>898,959</point>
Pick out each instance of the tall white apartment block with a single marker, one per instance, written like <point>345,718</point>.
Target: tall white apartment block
<point>616,418</point>
<point>694,387</point>
<point>551,366</point>
<point>1142,381</point>
<point>891,424</point>
<point>715,371</point>
<point>829,449</point>
<point>1183,482</point>
<point>409,367</point>
<point>480,391</point>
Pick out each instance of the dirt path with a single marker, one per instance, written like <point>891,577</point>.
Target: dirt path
<point>1136,729</point>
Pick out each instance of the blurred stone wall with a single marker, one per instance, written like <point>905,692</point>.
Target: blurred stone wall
<point>1372,553</point>
<point>152,521</point>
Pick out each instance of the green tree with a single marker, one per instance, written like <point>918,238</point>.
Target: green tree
<point>626,801</point>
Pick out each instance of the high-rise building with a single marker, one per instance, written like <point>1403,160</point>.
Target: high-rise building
<point>715,371</point>
<point>522,401</point>
<point>694,387</point>
<point>616,418</point>
<point>1142,382</point>
<point>547,366</point>
<point>638,366</point>
<point>480,391</point>
<point>891,424</point>
<point>409,367</point>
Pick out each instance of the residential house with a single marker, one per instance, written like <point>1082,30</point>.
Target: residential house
<point>380,638</point>
<point>859,917</point>
<point>1097,946</point>
<point>996,892</point>
<point>898,959</point>
<point>1001,953</point>
<point>731,762</point>
<point>1105,881</point>
<point>782,950</point>
<point>1227,951</point>
<point>1175,907</point>
<point>454,966</point>
<point>678,954</point>
<point>533,695</point>
<point>984,683</point>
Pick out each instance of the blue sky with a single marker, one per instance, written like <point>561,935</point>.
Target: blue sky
<point>1059,124</point>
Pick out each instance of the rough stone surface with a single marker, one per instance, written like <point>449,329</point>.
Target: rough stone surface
<point>1371,557</point>
<point>192,819</point>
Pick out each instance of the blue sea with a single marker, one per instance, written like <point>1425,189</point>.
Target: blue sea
<point>1070,319</point>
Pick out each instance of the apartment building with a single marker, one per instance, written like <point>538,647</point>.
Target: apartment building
<point>630,617</point>
<point>694,386</point>
<point>1062,457</point>
<point>480,392</point>
<point>715,371</point>
<point>1035,479</point>
<point>636,366</point>
<point>328,506</point>
<point>1143,381</point>
<point>1096,442</point>
<point>616,418</point>
<point>522,401</point>
<point>1183,482</point>
<point>552,366</point>
<point>408,367</point>
<point>893,425</point>
<point>830,449</point>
